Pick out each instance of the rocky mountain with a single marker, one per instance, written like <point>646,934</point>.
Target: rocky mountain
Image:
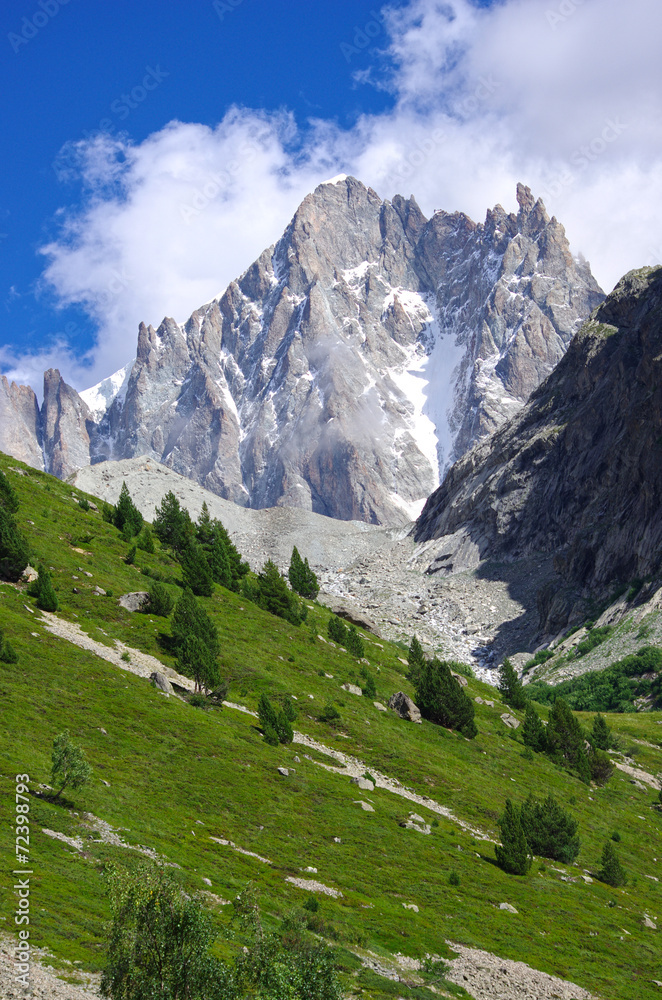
<point>576,475</point>
<point>347,367</point>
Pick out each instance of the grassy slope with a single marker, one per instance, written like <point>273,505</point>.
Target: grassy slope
<point>170,765</point>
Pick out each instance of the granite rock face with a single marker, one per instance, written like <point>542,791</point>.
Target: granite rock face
<point>577,474</point>
<point>349,365</point>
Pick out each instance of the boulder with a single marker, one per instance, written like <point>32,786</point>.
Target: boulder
<point>404,706</point>
<point>411,906</point>
<point>161,682</point>
<point>351,614</point>
<point>380,708</point>
<point>460,678</point>
<point>284,771</point>
<point>649,923</point>
<point>508,907</point>
<point>29,574</point>
<point>364,805</point>
<point>509,720</point>
<point>352,689</point>
<point>99,591</point>
<point>365,784</point>
<point>133,601</point>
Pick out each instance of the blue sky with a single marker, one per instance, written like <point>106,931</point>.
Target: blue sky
<point>154,149</point>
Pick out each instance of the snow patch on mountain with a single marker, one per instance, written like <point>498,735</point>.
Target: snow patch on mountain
<point>99,397</point>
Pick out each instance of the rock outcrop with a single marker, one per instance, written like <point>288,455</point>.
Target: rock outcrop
<point>344,369</point>
<point>576,476</point>
<point>403,706</point>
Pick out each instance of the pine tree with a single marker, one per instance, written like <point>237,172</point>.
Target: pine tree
<point>550,831</point>
<point>219,562</point>
<point>160,601</point>
<point>354,643</point>
<point>195,570</point>
<point>204,529</point>
<point>302,579</point>
<point>337,630</point>
<point>145,540</point>
<point>238,567</point>
<point>600,737</point>
<point>7,652</point>
<point>190,618</point>
<point>8,498</point>
<point>127,518</point>
<point>442,700</point>
<point>194,659</point>
<point>611,870</point>
<point>511,687</point>
<point>416,660</point>
<point>513,853</point>
<point>172,524</point>
<point>565,739</point>
<point>276,725</point>
<point>14,553</point>
<point>274,595</point>
<point>43,590</point>
<point>600,765</point>
<point>533,731</point>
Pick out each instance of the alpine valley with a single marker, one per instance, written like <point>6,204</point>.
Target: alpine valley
<point>453,439</point>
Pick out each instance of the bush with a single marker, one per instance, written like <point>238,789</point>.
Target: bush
<point>513,853</point>
<point>454,878</point>
<point>69,767</point>
<point>159,941</point>
<point>7,652</point>
<point>145,541</point>
<point>84,504</point>
<point>159,602</point>
<point>600,765</point>
<point>540,657</point>
<point>610,690</point>
<point>130,557</point>
<point>275,724</point>
<point>369,688</point>
<point>595,637</point>
<point>330,715</point>
<point>550,831</point>
<point>442,700</point>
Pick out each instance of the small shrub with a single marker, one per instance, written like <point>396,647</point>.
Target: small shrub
<point>611,871</point>
<point>43,590</point>
<point>126,657</point>
<point>159,602</point>
<point>198,700</point>
<point>616,837</point>
<point>7,652</point>
<point>330,715</point>
<point>311,904</point>
<point>84,504</point>
<point>69,767</point>
<point>130,557</point>
<point>454,878</point>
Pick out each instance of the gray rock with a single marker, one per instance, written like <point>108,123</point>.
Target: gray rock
<point>411,906</point>
<point>99,591</point>
<point>364,784</point>
<point>647,922</point>
<point>404,706</point>
<point>29,574</point>
<point>284,771</point>
<point>352,689</point>
<point>507,907</point>
<point>161,682</point>
<point>460,678</point>
<point>379,283</point>
<point>207,881</point>
<point>380,708</point>
<point>133,601</point>
<point>509,720</point>
<point>364,805</point>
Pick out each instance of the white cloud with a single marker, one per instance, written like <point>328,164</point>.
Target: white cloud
<point>483,97</point>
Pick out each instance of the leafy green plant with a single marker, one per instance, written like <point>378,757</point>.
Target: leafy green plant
<point>69,766</point>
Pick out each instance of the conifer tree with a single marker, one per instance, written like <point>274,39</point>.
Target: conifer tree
<point>510,686</point>
<point>219,562</point>
<point>274,595</point>
<point>512,853</point>
<point>600,737</point>
<point>442,700</point>
<point>195,660</point>
<point>8,498</point>
<point>416,660</point>
<point>7,652</point>
<point>190,618</point>
<point>302,579</point>
<point>533,731</point>
<point>565,739</point>
<point>145,540</point>
<point>611,870</point>
<point>172,524</point>
<point>276,725</point>
<point>550,831</point>
<point>354,643</point>
<point>126,517</point>
<point>337,630</point>
<point>204,529</point>
<point>196,571</point>
<point>43,590</point>
<point>14,553</point>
